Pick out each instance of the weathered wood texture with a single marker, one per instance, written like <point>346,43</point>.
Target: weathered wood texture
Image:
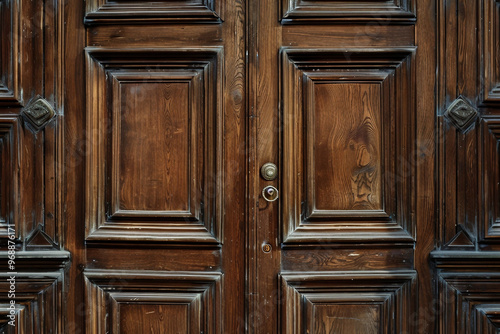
<point>31,167</point>
<point>137,207</point>
<point>156,166</point>
<point>468,167</point>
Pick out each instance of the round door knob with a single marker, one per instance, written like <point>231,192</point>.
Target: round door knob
<point>269,171</point>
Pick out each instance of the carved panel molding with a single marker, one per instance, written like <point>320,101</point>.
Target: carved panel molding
<point>491,179</point>
<point>10,48</point>
<point>147,106</point>
<point>362,302</point>
<point>315,11</point>
<point>369,194</point>
<point>491,53</point>
<point>187,302</point>
<point>185,11</point>
<point>470,302</point>
<point>10,211</point>
<point>38,301</point>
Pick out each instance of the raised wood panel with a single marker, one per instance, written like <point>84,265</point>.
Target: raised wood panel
<point>155,136</point>
<point>348,154</point>
<point>491,53</point>
<point>491,179</point>
<point>38,300</point>
<point>126,11</point>
<point>160,302</point>
<point>153,169</point>
<point>315,11</point>
<point>10,48</point>
<point>6,317</point>
<point>348,302</point>
<point>469,302</point>
<point>344,147</point>
<point>10,214</point>
<point>488,319</point>
<point>178,316</point>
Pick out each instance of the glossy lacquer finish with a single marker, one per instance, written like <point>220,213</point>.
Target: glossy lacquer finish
<point>132,136</point>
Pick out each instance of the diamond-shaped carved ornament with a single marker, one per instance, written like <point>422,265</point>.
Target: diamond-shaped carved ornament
<point>39,113</point>
<point>461,113</point>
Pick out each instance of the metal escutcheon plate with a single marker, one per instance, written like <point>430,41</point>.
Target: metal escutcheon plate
<point>270,193</point>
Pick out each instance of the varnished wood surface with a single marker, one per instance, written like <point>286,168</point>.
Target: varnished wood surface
<point>167,103</point>
<point>147,318</point>
<point>138,207</point>
<point>346,126</point>
<point>161,139</point>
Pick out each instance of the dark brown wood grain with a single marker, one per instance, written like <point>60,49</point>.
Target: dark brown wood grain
<point>144,301</point>
<point>344,175</point>
<point>31,172</point>
<point>490,38</point>
<point>104,11</point>
<point>154,166</point>
<point>295,11</point>
<point>344,145</point>
<point>155,145</point>
<point>350,302</point>
<point>138,207</point>
<point>142,318</point>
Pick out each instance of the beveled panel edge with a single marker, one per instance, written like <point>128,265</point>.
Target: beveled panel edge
<point>40,295</point>
<point>100,284</point>
<point>490,37</point>
<point>98,60</point>
<point>102,12</point>
<point>9,129</point>
<point>294,59</point>
<point>400,284</point>
<point>461,294</point>
<point>490,229</point>
<point>196,90</point>
<point>11,91</point>
<point>344,12</point>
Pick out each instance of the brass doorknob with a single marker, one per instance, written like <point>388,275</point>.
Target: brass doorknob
<point>269,171</point>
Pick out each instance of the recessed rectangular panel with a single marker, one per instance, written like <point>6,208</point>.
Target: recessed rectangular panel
<point>38,300</point>
<point>153,301</point>
<point>491,53</point>
<point>469,301</point>
<point>154,155</point>
<point>153,169</point>
<point>9,177</point>
<point>344,318</point>
<point>348,302</point>
<point>491,204</point>
<point>130,11</point>
<point>9,52</point>
<point>146,318</point>
<point>348,132</point>
<point>313,11</point>
<point>346,147</point>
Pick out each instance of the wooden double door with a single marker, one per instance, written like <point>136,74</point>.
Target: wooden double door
<point>133,136</point>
